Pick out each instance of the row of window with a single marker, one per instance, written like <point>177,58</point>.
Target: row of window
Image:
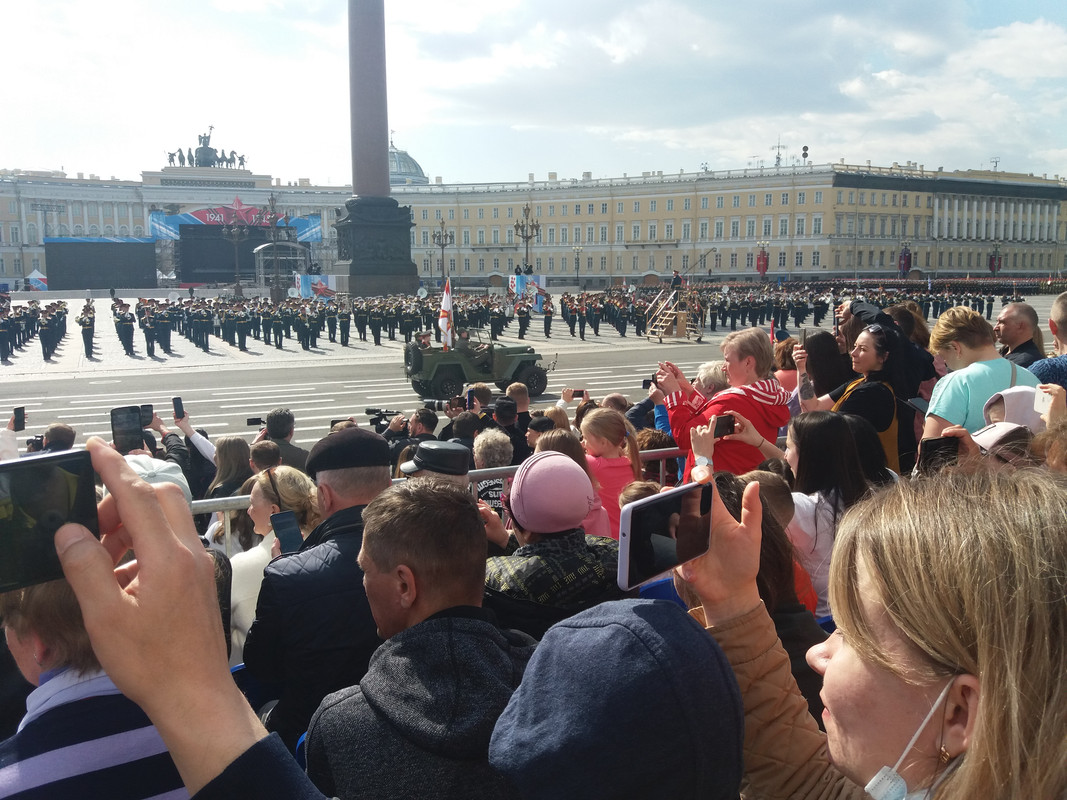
<point>874,225</point>
<point>77,207</point>
<point>880,259</point>
<point>16,266</point>
<point>652,261</point>
<point>653,206</point>
<point>548,233</point>
<point>888,199</point>
<point>15,236</point>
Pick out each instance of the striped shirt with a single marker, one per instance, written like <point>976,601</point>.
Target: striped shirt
<point>81,738</point>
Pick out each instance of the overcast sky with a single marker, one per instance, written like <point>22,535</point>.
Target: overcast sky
<point>492,90</point>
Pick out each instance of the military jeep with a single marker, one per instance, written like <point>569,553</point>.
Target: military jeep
<point>439,373</point>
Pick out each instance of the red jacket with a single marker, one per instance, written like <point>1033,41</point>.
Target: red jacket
<point>763,403</point>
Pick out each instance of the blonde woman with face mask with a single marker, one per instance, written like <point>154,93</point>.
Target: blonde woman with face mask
<point>946,676</point>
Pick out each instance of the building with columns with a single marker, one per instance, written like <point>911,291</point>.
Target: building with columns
<point>813,221</point>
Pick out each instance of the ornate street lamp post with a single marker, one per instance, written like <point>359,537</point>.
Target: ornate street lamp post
<point>236,233</point>
<point>443,239</point>
<point>272,216</point>
<point>577,264</point>
<point>994,260</point>
<point>527,229</point>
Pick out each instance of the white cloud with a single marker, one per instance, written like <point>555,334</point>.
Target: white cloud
<point>491,90</point>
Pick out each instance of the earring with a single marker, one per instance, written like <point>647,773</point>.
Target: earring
<point>944,756</point>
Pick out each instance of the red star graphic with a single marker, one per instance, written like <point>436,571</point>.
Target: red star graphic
<point>239,213</point>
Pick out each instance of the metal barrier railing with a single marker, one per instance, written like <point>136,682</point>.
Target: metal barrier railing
<point>240,502</point>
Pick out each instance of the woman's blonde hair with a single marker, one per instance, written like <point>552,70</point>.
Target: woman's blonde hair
<point>296,493</point>
<point>1050,446</point>
<point>752,342</point>
<point>565,441</point>
<point>609,424</point>
<point>558,416</point>
<point>231,460</point>
<point>961,324</point>
<point>51,611</point>
<point>984,595</point>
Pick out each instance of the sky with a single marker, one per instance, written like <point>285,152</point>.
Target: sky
<point>493,90</point>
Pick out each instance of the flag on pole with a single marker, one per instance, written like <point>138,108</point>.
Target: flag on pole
<point>444,319</point>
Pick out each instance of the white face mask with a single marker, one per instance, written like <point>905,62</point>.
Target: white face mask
<point>887,784</point>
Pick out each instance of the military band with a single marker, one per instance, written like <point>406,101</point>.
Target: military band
<point>625,308</point>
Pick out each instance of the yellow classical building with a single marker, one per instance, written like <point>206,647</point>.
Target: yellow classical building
<point>813,222</point>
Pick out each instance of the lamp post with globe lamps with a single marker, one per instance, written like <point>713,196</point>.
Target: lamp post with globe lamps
<point>527,229</point>
<point>443,239</point>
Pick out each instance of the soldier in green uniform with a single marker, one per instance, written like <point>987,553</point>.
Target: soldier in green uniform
<point>376,319</point>
<point>344,322</point>
<point>87,322</point>
<point>124,322</point>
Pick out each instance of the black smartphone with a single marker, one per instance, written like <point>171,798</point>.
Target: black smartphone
<point>934,454</point>
<point>578,392</point>
<point>20,419</point>
<point>723,425</point>
<point>40,493</point>
<point>803,336</point>
<point>255,421</point>
<point>287,529</point>
<point>126,431</point>
<point>648,383</point>
<point>179,407</point>
<point>470,400</point>
<point>649,544</point>
<point>147,412</point>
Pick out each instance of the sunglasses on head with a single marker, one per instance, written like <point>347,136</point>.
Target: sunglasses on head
<point>274,487</point>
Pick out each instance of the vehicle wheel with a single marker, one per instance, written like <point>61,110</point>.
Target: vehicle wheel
<point>503,385</point>
<point>412,359</point>
<point>422,388</point>
<point>535,378</point>
<point>447,383</point>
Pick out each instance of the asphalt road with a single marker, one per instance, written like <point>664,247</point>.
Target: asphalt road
<point>225,387</point>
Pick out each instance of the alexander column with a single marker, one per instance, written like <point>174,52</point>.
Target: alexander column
<point>374,237</point>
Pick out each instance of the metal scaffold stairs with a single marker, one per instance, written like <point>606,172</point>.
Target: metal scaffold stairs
<point>666,320</point>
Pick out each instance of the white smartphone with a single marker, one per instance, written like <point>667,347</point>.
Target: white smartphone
<point>648,543</point>
<point>1042,402</point>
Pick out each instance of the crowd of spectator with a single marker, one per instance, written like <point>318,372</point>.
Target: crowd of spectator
<point>449,622</point>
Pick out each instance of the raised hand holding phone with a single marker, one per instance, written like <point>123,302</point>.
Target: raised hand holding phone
<point>129,613</point>
<point>725,577</point>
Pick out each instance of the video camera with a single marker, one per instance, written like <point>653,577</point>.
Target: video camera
<point>458,403</point>
<point>379,417</point>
